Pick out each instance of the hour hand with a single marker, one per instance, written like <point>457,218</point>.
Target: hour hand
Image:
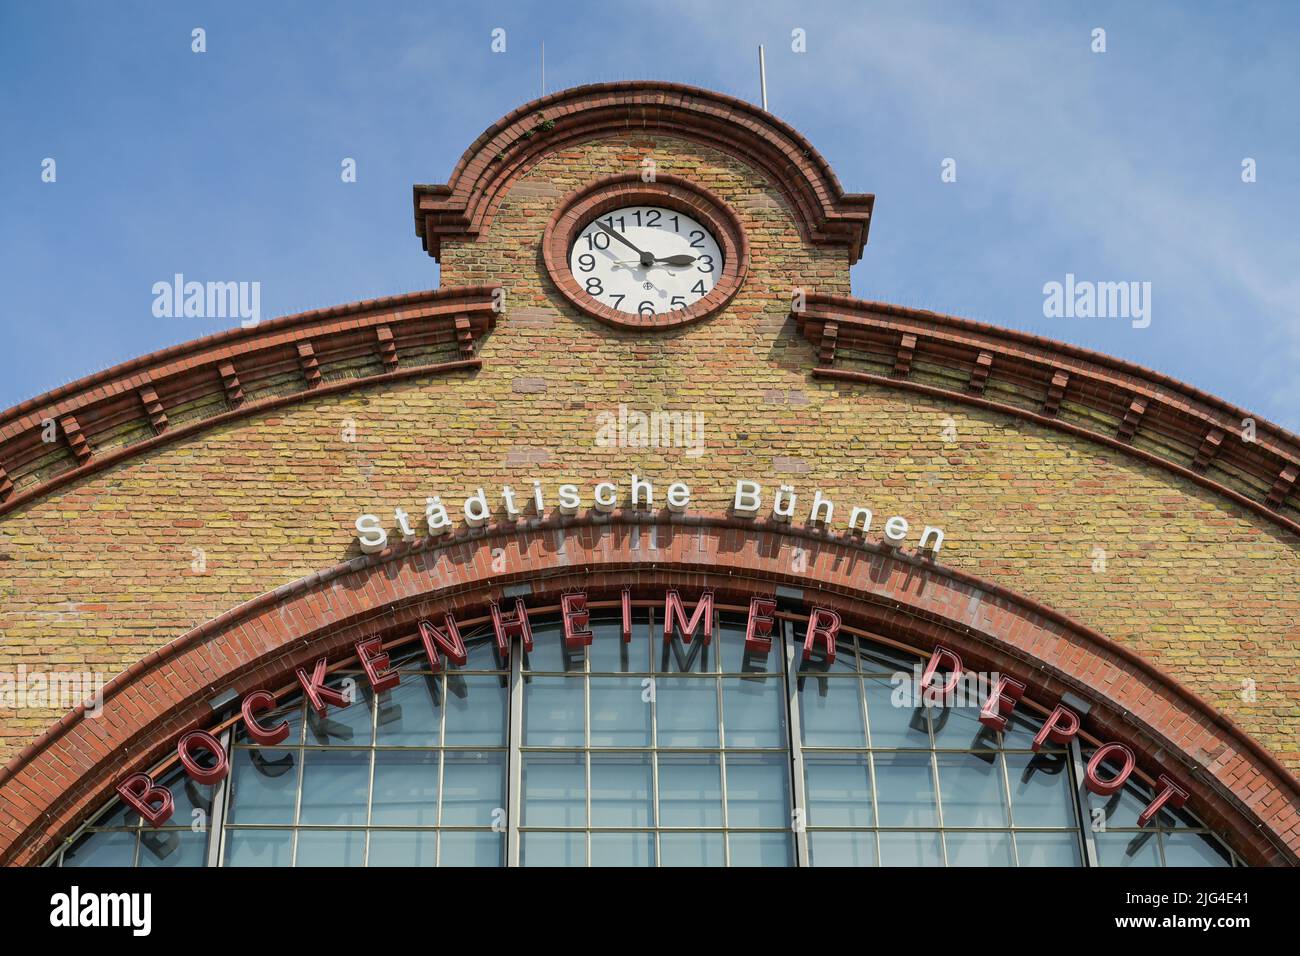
<point>681,260</point>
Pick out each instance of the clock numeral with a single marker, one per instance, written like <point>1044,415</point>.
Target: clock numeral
<point>586,262</point>
<point>594,287</point>
<point>618,299</point>
<point>652,218</point>
<point>676,223</point>
<point>622,224</point>
<point>646,308</point>
<point>698,288</point>
<point>679,302</point>
<point>597,240</point>
<point>697,243</point>
<point>706,260</point>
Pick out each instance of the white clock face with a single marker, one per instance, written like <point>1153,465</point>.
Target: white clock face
<point>645,260</point>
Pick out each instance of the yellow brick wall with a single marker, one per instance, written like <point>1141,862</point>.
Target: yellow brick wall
<point>100,572</point>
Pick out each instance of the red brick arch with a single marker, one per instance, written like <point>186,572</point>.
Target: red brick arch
<point>55,783</point>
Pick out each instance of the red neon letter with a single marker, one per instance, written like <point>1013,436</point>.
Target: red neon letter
<point>258,702</point>
<point>940,654</point>
<point>375,663</point>
<point>316,691</point>
<point>1002,700</point>
<point>1169,794</point>
<point>575,617</point>
<point>1104,788</point>
<point>627,615</point>
<point>824,625</point>
<point>508,627</point>
<point>450,641</point>
<point>152,803</point>
<point>199,740</point>
<point>1061,725</point>
<point>675,614</point>
<point>758,630</point>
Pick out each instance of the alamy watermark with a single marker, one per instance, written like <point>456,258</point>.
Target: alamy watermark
<point>1084,299</point>
<point>630,428</point>
<point>52,690</point>
<point>179,299</point>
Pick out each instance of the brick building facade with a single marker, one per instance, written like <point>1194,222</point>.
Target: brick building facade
<point>1110,536</point>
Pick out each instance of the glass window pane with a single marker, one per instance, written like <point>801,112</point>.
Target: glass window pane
<point>838,791</point>
<point>473,788</point>
<point>476,711</point>
<point>973,790</point>
<point>731,645</point>
<point>758,790</point>
<point>1041,790</point>
<point>553,849</point>
<point>410,715</point>
<point>619,717</point>
<point>291,714</point>
<point>608,652</point>
<point>1118,848</point>
<point>480,655</point>
<point>109,848</point>
<point>335,786</point>
<point>753,712</point>
<point>905,790</point>
<point>830,712</point>
<point>894,721</point>
<point>263,786</point>
<point>959,728</point>
<point>331,848</point>
<point>847,848</point>
<point>555,789</point>
<point>403,848</point>
<point>471,848</point>
<point>691,849</point>
<point>1020,732</point>
<point>686,710</point>
<point>173,848</point>
<point>622,849</point>
<point>978,849</point>
<point>258,848</point>
<point>910,849</point>
<point>690,790</point>
<point>761,849</point>
<point>1048,849</point>
<point>406,788</point>
<point>622,792</point>
<point>845,660</point>
<point>553,712</point>
<point>548,653</point>
<point>344,726</point>
<point>1193,849</point>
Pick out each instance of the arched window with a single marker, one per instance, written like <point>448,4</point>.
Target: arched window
<point>645,753</point>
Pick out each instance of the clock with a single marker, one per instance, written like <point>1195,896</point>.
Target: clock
<point>645,254</point>
<point>646,260</point>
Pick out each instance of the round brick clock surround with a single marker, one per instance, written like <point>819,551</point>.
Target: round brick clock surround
<point>579,208</point>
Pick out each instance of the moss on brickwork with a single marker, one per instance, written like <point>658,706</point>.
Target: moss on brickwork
<point>100,572</point>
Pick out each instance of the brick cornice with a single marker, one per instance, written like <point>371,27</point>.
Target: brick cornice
<point>1237,787</point>
<point>464,206</point>
<point>217,379</point>
<point>1144,414</point>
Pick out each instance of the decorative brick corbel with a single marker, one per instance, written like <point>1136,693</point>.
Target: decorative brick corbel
<point>153,407</point>
<point>230,382</point>
<point>906,350</point>
<point>1132,419</point>
<point>827,346</point>
<point>1209,448</point>
<point>309,363</point>
<point>1283,485</point>
<point>76,440</point>
<point>465,335</point>
<point>979,375</point>
<point>387,347</point>
<point>1056,392</point>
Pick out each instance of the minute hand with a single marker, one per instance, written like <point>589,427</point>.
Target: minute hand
<point>646,257</point>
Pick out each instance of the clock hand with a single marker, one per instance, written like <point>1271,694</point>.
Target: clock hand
<point>680,260</point>
<point>646,258</point>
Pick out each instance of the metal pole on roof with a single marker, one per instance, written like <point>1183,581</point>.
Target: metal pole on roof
<point>762,75</point>
<point>543,67</point>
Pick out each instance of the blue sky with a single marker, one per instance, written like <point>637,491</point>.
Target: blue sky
<point>1121,166</point>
